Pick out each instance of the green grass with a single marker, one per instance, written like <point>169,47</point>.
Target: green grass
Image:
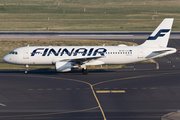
<point>100,15</point>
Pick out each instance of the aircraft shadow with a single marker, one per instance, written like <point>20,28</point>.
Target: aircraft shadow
<point>53,72</point>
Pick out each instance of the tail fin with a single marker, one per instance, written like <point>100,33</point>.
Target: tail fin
<point>160,37</point>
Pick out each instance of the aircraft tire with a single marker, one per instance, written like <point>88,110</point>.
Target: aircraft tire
<point>84,71</point>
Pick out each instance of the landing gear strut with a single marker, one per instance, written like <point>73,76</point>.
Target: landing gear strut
<point>84,71</point>
<point>26,70</point>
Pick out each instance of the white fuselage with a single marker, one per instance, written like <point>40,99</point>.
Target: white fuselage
<point>48,55</point>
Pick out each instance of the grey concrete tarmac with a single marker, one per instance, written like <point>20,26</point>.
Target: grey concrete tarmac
<point>45,94</point>
<point>42,94</point>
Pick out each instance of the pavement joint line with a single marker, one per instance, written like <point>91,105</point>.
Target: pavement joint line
<point>115,88</point>
<point>96,88</point>
<point>39,89</point>
<point>106,88</point>
<point>134,88</point>
<point>30,89</point>
<point>58,89</point>
<point>143,88</point>
<point>153,88</point>
<point>125,88</point>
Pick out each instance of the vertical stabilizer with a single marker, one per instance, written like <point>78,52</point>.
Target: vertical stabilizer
<point>160,37</point>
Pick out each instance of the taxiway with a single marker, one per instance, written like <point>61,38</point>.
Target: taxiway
<point>117,94</point>
<point>123,94</point>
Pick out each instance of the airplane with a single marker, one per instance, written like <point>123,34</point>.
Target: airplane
<point>66,58</point>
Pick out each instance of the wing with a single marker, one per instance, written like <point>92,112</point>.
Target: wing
<point>82,60</point>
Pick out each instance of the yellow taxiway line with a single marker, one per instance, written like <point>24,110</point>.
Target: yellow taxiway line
<point>110,91</point>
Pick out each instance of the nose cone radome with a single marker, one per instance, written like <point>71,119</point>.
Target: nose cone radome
<point>7,59</point>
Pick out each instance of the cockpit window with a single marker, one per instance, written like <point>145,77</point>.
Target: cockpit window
<point>13,52</point>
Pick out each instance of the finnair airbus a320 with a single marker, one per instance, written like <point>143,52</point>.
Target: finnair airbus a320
<point>66,58</point>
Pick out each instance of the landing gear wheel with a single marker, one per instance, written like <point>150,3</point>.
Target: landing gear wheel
<point>84,71</point>
<point>26,70</point>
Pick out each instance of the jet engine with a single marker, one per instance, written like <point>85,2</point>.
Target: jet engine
<point>63,66</point>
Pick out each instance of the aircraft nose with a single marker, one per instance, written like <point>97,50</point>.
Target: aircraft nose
<point>6,58</point>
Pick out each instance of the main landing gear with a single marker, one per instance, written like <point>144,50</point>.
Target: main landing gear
<point>84,71</point>
<point>26,70</point>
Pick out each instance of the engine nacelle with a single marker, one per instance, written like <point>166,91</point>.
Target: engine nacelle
<point>63,66</point>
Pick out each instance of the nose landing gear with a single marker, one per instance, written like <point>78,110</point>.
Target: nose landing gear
<point>26,70</point>
<point>84,71</point>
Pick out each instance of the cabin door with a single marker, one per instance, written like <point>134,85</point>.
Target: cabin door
<point>140,52</point>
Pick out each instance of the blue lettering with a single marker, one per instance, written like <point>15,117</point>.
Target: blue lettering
<point>34,52</point>
<point>67,52</point>
<point>83,52</point>
<point>54,52</point>
<point>101,51</point>
<point>90,52</point>
<point>45,52</point>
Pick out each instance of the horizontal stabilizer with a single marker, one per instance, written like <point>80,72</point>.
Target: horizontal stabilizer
<point>161,51</point>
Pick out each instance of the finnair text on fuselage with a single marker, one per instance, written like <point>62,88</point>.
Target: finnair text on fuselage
<point>72,52</point>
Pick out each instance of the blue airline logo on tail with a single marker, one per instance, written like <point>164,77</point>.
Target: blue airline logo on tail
<point>159,34</point>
